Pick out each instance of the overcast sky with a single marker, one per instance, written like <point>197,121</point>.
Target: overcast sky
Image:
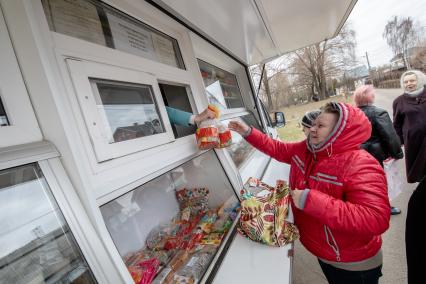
<point>369,18</point>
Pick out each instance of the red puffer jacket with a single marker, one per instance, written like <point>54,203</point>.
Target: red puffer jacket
<point>347,208</point>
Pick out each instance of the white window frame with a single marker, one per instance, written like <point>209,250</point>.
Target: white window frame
<point>47,157</point>
<point>212,55</point>
<point>81,71</point>
<point>23,126</point>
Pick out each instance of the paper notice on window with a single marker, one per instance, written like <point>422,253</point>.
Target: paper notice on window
<point>76,18</point>
<point>164,50</point>
<point>131,38</point>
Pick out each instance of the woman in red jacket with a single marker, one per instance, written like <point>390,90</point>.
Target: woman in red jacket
<point>340,201</point>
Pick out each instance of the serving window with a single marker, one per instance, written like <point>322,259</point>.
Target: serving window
<point>37,244</point>
<point>221,86</point>
<point>98,23</point>
<point>122,109</point>
<point>173,227</point>
<point>177,96</point>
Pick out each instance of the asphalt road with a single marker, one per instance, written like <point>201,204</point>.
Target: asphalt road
<point>306,269</point>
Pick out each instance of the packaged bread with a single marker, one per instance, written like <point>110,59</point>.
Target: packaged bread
<point>207,135</point>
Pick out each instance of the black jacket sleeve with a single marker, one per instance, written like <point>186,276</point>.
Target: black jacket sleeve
<point>388,137</point>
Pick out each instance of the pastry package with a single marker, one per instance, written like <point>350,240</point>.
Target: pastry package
<point>225,137</point>
<point>214,109</point>
<point>156,237</point>
<point>207,135</point>
<point>196,199</point>
<point>207,221</point>
<point>194,269</point>
<point>145,271</point>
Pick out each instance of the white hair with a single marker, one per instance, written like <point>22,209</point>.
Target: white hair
<point>421,80</point>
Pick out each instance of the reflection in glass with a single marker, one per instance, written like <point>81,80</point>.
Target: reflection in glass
<point>175,223</point>
<point>3,117</point>
<point>37,246</point>
<point>128,111</point>
<point>221,86</point>
<point>240,150</point>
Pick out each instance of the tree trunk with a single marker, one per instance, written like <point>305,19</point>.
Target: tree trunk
<point>267,90</point>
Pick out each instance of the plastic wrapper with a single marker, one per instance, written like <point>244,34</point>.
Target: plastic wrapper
<point>145,271</point>
<point>178,260</point>
<point>207,221</point>
<point>157,236</point>
<point>196,199</point>
<point>195,267</point>
<point>164,276</point>
<point>225,137</point>
<point>214,109</point>
<point>222,225</point>
<point>142,255</point>
<point>212,239</point>
<point>230,208</point>
<point>207,135</point>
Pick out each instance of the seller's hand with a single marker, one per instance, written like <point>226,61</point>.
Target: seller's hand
<point>204,115</point>
<point>296,195</point>
<point>239,127</point>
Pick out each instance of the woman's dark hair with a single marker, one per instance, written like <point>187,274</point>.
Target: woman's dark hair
<point>331,107</point>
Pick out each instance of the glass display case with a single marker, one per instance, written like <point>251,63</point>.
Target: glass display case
<point>173,228</point>
<point>221,86</point>
<point>240,150</point>
<point>37,245</point>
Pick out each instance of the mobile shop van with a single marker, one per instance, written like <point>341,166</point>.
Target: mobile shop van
<point>96,184</point>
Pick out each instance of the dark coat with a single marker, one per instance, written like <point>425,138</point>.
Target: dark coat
<point>383,142</point>
<point>409,121</point>
<point>414,241</point>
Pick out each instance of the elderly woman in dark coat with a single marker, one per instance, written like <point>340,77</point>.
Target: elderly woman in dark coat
<point>409,121</point>
<point>409,112</point>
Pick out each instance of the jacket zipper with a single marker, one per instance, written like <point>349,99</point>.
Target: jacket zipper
<point>333,245</point>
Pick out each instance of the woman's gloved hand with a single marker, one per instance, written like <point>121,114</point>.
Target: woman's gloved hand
<point>239,127</point>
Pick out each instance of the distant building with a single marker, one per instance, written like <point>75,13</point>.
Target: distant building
<point>398,63</point>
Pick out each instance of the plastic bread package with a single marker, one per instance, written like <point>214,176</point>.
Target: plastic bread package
<point>196,199</point>
<point>207,135</point>
<point>225,136</point>
<point>214,109</point>
<point>178,260</point>
<point>165,276</point>
<point>195,267</point>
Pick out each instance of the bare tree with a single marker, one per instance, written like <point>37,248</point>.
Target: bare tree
<point>419,60</point>
<point>401,34</point>
<point>274,84</point>
<point>314,64</point>
<point>302,75</point>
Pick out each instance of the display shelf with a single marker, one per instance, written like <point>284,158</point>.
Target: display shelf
<point>177,226</point>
